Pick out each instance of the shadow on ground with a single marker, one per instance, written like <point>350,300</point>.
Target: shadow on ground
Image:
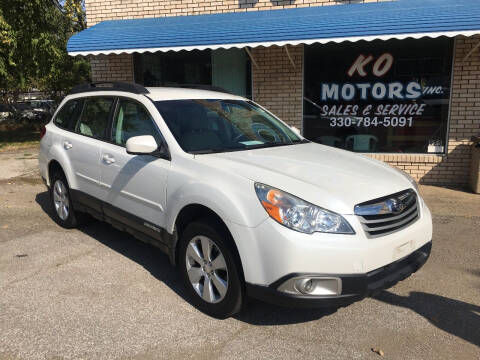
<point>456,317</point>
<point>453,316</point>
<point>158,264</point>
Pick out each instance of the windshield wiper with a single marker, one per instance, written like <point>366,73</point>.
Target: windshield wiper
<point>301,141</point>
<point>266,145</point>
<point>246,147</point>
<point>215,150</point>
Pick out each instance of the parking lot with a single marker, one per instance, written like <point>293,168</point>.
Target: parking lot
<point>97,293</point>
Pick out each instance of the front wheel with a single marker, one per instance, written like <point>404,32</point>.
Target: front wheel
<point>210,270</point>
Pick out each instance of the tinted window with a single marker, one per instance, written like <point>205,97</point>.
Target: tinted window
<point>94,119</point>
<point>132,119</point>
<point>66,113</point>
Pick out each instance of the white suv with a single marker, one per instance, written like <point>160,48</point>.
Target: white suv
<point>241,202</point>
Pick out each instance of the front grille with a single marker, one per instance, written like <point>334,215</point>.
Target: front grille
<point>388,214</point>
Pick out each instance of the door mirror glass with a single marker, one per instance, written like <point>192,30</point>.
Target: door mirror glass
<point>139,145</point>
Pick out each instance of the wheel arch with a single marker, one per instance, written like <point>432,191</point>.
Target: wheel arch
<point>53,167</point>
<point>59,161</point>
<point>193,212</point>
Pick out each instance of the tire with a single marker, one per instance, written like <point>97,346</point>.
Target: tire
<point>62,205</point>
<point>215,300</point>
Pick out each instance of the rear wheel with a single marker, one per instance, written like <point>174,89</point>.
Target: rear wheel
<point>61,201</point>
<point>210,270</point>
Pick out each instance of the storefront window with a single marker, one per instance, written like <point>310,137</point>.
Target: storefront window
<point>227,69</point>
<point>387,97</point>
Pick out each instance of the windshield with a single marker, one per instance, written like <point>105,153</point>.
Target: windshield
<point>207,126</point>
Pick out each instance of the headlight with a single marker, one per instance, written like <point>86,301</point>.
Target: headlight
<point>300,215</point>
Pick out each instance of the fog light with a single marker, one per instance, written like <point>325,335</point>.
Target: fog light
<point>309,285</point>
<point>305,286</point>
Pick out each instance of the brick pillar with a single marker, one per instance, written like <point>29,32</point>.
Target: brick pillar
<point>112,67</point>
<point>277,85</point>
<point>464,112</point>
<point>454,168</point>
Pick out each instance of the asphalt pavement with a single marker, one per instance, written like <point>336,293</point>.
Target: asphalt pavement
<point>97,293</point>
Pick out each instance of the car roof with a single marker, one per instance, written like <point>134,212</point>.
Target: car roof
<point>172,93</point>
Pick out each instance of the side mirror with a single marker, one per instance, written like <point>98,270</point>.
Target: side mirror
<point>139,145</point>
<point>296,130</point>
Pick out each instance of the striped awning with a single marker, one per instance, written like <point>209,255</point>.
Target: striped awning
<point>321,24</point>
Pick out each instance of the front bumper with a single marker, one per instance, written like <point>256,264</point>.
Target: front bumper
<point>354,287</point>
<point>271,251</point>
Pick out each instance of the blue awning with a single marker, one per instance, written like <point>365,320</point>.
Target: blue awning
<point>322,24</point>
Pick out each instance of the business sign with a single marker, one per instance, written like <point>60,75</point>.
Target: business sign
<point>363,113</point>
<point>390,96</point>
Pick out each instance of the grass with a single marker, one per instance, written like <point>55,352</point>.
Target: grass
<point>19,136</point>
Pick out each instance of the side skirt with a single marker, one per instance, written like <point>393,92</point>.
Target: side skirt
<point>124,221</point>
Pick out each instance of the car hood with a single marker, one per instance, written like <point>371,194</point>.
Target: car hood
<point>331,178</point>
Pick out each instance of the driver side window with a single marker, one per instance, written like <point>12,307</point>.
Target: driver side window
<point>132,119</point>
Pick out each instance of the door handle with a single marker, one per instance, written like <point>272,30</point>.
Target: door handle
<point>108,159</point>
<point>67,145</point>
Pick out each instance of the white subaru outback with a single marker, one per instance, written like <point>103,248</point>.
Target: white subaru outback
<point>241,202</point>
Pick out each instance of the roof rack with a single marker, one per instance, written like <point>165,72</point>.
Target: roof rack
<point>202,87</point>
<point>112,86</point>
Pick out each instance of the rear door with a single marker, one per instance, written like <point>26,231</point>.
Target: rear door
<point>135,185</point>
<point>82,145</point>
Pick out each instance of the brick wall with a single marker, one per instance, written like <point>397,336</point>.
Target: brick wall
<point>99,10</point>
<point>277,84</point>
<point>112,67</point>
<point>464,116</point>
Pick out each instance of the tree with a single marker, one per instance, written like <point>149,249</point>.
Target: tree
<point>33,39</point>
<point>8,45</point>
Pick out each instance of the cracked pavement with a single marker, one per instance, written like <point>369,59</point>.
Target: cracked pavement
<point>97,293</point>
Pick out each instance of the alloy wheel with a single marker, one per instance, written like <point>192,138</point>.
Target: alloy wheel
<point>207,269</point>
<point>60,198</point>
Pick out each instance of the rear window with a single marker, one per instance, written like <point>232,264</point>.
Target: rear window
<point>67,113</point>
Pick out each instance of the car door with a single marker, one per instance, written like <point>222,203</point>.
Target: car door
<point>134,185</point>
<point>82,145</point>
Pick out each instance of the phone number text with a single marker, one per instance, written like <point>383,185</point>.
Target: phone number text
<point>369,121</point>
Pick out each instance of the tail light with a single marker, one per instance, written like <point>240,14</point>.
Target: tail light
<point>43,132</point>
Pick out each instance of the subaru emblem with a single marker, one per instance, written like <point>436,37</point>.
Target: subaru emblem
<point>395,206</point>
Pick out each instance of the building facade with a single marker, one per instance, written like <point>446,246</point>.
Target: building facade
<point>413,103</point>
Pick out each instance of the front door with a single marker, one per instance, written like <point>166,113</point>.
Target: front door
<point>134,185</point>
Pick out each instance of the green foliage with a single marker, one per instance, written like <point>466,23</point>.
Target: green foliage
<point>33,39</point>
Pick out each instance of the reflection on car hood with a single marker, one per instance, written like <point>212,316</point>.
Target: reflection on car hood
<point>328,177</point>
